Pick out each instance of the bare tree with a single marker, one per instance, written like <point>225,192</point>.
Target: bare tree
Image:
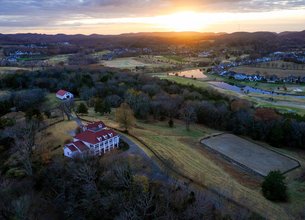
<point>188,114</point>
<point>66,108</point>
<point>25,142</point>
<point>124,116</point>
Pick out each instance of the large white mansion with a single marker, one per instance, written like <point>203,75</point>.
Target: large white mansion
<point>95,138</point>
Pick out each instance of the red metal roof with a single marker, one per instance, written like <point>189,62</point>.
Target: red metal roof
<point>80,145</point>
<point>71,147</point>
<point>61,92</point>
<point>95,137</point>
<point>95,125</point>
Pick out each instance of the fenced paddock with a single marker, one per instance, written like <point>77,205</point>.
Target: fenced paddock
<point>249,155</point>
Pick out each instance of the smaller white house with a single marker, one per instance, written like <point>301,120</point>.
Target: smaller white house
<point>75,148</point>
<point>63,95</point>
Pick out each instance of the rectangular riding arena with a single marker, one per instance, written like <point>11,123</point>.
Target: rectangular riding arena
<point>250,155</point>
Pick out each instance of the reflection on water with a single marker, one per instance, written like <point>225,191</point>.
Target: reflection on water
<point>196,73</point>
<point>248,89</point>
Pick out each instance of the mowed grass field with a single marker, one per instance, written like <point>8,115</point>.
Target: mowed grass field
<point>183,152</point>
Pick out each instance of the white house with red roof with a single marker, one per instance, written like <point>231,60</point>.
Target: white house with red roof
<point>63,94</point>
<point>96,139</point>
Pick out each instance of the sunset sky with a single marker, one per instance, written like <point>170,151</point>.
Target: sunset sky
<point>125,16</point>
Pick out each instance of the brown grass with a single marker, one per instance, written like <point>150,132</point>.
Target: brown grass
<point>268,71</point>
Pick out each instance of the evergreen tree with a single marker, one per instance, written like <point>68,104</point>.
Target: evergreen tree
<point>274,187</point>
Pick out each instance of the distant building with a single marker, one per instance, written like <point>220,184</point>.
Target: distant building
<point>63,95</point>
<point>95,139</point>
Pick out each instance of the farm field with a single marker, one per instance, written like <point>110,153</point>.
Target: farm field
<point>268,71</point>
<point>125,63</point>
<point>166,59</point>
<point>249,154</point>
<point>193,73</point>
<point>54,60</point>
<point>280,64</point>
<point>11,69</point>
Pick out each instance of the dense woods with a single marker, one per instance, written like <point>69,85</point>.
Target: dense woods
<point>161,99</point>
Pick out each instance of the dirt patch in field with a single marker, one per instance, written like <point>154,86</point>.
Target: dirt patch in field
<point>249,155</point>
<point>238,174</point>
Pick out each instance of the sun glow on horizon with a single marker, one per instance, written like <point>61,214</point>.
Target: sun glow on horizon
<point>191,21</point>
<point>183,21</point>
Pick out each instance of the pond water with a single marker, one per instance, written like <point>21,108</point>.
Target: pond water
<point>195,73</point>
<point>248,89</point>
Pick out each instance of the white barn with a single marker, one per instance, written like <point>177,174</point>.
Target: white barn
<point>95,139</point>
<point>63,95</point>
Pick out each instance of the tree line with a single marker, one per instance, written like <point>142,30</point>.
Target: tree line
<point>161,99</point>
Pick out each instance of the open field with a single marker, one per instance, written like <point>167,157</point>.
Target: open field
<point>54,137</point>
<point>51,101</point>
<point>54,60</point>
<point>11,69</point>
<point>100,53</point>
<point>193,73</point>
<point>162,60</point>
<point>125,63</point>
<point>280,64</point>
<point>249,154</point>
<point>268,71</point>
<point>182,151</point>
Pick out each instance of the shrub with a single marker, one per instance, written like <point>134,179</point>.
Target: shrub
<point>6,122</point>
<point>171,123</point>
<point>47,114</point>
<point>274,187</point>
<point>82,108</point>
<point>123,145</point>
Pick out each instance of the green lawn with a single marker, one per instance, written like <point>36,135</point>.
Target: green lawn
<point>51,101</point>
<point>54,60</point>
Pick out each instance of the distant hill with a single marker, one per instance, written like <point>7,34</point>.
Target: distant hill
<point>282,40</point>
<point>269,39</point>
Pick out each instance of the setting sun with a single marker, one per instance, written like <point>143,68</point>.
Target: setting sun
<point>182,21</point>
